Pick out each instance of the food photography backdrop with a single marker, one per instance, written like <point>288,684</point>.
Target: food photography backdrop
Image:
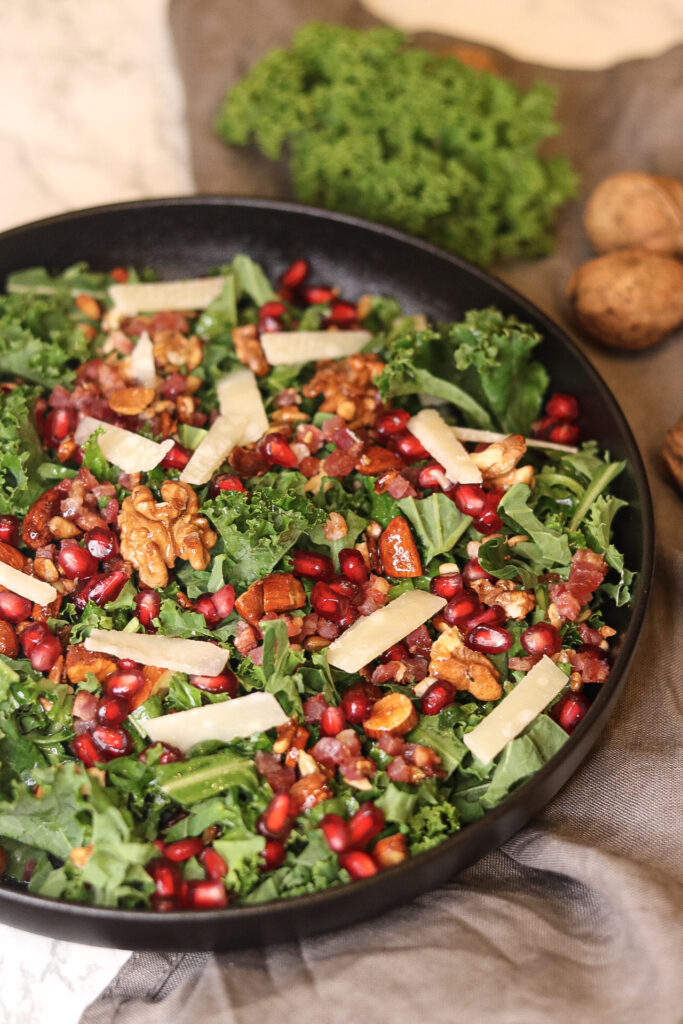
<point>579,915</point>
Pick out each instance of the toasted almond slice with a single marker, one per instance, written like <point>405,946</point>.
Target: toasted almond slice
<point>393,715</point>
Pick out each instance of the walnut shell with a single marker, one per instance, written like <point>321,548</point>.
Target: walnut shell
<point>636,209</point>
<point>628,299</point>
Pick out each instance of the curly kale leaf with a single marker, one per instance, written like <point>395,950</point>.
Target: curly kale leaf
<point>39,338</point>
<point>21,454</point>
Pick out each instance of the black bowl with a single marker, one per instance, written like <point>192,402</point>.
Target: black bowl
<point>180,237</point>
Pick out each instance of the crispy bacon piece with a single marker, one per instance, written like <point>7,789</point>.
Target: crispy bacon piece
<point>587,572</point>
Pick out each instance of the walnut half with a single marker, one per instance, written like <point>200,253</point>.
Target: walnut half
<point>465,669</point>
<point>154,534</point>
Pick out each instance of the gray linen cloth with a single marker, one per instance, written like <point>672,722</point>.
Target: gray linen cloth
<point>578,917</point>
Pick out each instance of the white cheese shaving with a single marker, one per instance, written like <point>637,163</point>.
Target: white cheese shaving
<point>142,366</point>
<point>191,293</point>
<point>196,657</point>
<point>438,438</point>
<point>238,395</point>
<point>231,719</point>
<point>213,450</point>
<point>372,634</point>
<point>491,437</point>
<point>286,348</point>
<point>26,586</point>
<point>127,450</point>
<point>530,696</point>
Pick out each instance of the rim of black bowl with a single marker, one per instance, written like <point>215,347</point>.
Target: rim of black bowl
<point>574,750</point>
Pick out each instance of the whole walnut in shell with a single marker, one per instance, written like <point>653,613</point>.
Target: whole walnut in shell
<point>633,209</point>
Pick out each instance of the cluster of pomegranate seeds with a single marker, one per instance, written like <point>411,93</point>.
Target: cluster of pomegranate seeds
<point>558,425</point>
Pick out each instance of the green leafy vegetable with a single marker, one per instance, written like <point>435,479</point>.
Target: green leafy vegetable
<point>21,453</point>
<point>39,339</point>
<point>436,521</point>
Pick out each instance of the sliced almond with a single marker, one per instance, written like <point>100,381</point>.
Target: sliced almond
<point>130,401</point>
<point>393,715</point>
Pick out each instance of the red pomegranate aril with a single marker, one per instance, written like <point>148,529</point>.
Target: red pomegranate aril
<point>113,742</point>
<point>343,314</point>
<point>439,695</point>
<point>45,654</point>
<point>119,274</point>
<point>492,616</point>
<point>312,566</point>
<point>562,407</point>
<point>166,877</point>
<point>126,683</point>
<point>470,499</point>
<point>76,562</point>
<point>272,855</point>
<point>352,564</point>
<point>488,522</point>
<point>267,324</point>
<point>356,706</point>
<point>409,448</point>
<point>332,721</point>
<point>447,585</point>
<point>570,710</point>
<point>112,710</point>
<point>177,458</point>
<point>226,682</point>
<point>565,433</point>
<point>101,543</point>
<point>317,296</point>
<point>85,750</point>
<point>336,832</point>
<point>472,570</point>
<point>147,605</point>
<point>328,602</point>
<point>33,635</point>
<point>162,904</point>
<point>206,894</point>
<point>295,274</point>
<point>58,424</point>
<point>460,607</point>
<point>277,819</point>
<point>541,638</point>
<point>224,600</point>
<point>347,618</point>
<point>489,639</point>
<point>366,823</point>
<point>205,606</point>
<point>99,589</point>
<point>397,652</point>
<point>391,422</point>
<point>13,607</point>
<point>169,754</point>
<point>214,865</point>
<point>9,530</point>
<point>183,849</point>
<point>226,482</point>
<point>277,451</point>
<point>431,475</point>
<point>274,308</point>
<point>346,588</point>
<point>359,864</point>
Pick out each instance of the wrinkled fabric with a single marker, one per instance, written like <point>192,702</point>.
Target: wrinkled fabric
<point>579,916</point>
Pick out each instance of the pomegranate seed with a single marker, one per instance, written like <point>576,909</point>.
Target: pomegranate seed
<point>226,682</point>
<point>45,654</point>
<point>431,475</point>
<point>205,606</point>
<point>266,324</point>
<point>541,638</point>
<point>565,433</point>
<point>493,616</point>
<point>162,904</point>
<point>397,652</point>
<point>332,721</point>
<point>9,530</point>
<point>33,635</point>
<point>489,639</point>
<point>347,619</point>
<point>277,819</point>
<point>470,499</point>
<point>76,562</point>
<point>409,448</point>
<point>336,832</point>
<point>119,274</point>
<point>343,314</point>
<point>347,589</point>
<point>295,274</point>
<point>273,854</point>
<point>318,296</point>
<point>393,421</point>
<point>183,849</point>
<point>366,823</point>
<point>147,605</point>
<point>356,706</point>
<point>170,754</point>
<point>85,750</point>
<point>439,695</point>
<point>472,570</point>
<point>562,407</point>
<point>113,742</point>
<point>99,589</point>
<point>101,543</point>
<point>14,608</point>
<point>541,428</point>
<point>128,665</point>
<point>224,600</point>
<point>277,451</point>
<point>312,566</point>
<point>206,895</point>
<point>58,424</point>
<point>226,482</point>
<point>570,710</point>
<point>353,566</point>
<point>275,309</point>
<point>166,877</point>
<point>177,458</point>
<point>460,607</point>
<point>488,522</point>
<point>214,865</point>
<point>447,585</point>
<point>358,863</point>
<point>327,602</point>
<point>112,710</point>
<point>126,683</point>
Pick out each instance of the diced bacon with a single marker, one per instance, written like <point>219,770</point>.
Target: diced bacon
<point>245,638</point>
<point>326,629</point>
<point>350,741</point>
<point>279,777</point>
<point>412,670</point>
<point>311,436</point>
<point>392,745</point>
<point>524,664</point>
<point>374,595</point>
<point>330,751</point>
<point>331,426</point>
<point>591,663</point>
<point>587,572</point>
<point>59,398</point>
<point>309,467</point>
<point>256,655</point>
<point>400,771</point>
<point>399,488</point>
<point>588,635</point>
<point>338,464</point>
<point>313,708</point>
<point>110,512</point>
<point>419,642</point>
<point>347,441</point>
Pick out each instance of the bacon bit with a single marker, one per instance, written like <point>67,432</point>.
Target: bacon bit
<point>398,550</point>
<point>399,488</point>
<point>419,641</point>
<point>309,466</point>
<point>524,664</point>
<point>400,771</point>
<point>375,592</point>
<point>257,655</point>
<point>279,778</point>
<point>246,462</point>
<point>588,569</point>
<point>311,436</point>
<point>413,670</point>
<point>313,708</point>
<point>392,745</point>
<point>376,460</point>
<point>339,464</point>
<point>245,638</point>
<point>591,663</point>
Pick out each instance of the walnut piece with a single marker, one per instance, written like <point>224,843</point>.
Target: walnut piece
<point>173,349</point>
<point>672,453</point>
<point>248,349</point>
<point>348,388</point>
<point>465,669</point>
<point>154,534</point>
<point>515,602</point>
<point>498,460</point>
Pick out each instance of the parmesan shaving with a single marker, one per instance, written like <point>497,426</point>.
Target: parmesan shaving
<point>191,293</point>
<point>491,437</point>
<point>438,438</point>
<point>128,451</point>
<point>238,395</point>
<point>196,657</point>
<point>286,348</point>
<point>229,720</point>
<point>26,586</point>
<point>213,450</point>
<point>142,367</point>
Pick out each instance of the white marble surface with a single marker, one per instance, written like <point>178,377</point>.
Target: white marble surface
<point>91,111</point>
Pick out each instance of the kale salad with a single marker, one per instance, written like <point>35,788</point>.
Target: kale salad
<point>292,586</point>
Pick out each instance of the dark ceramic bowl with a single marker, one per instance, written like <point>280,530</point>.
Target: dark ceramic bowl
<point>181,237</point>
